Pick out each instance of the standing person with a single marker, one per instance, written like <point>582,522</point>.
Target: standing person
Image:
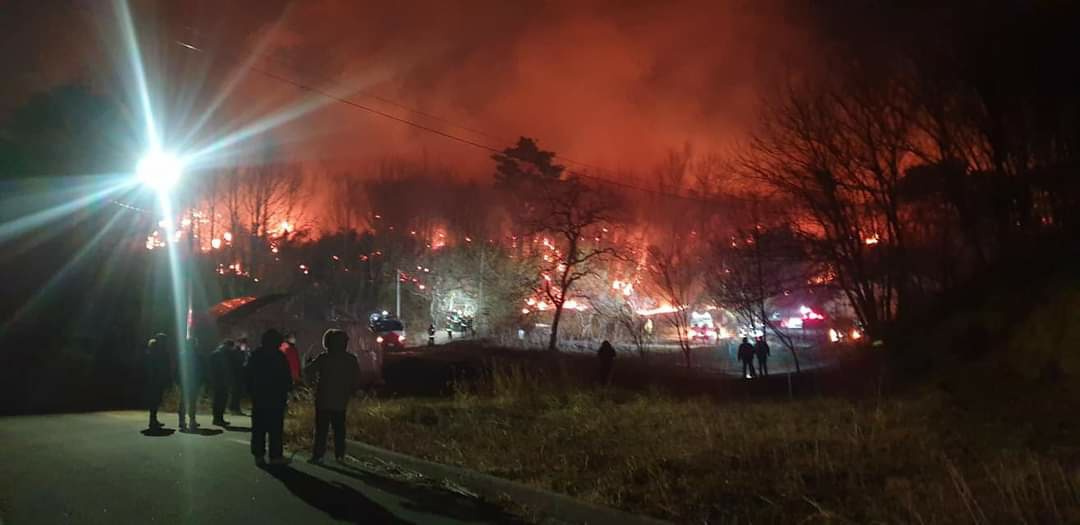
<point>237,360</point>
<point>431,335</point>
<point>292,355</point>
<point>189,378</point>
<point>761,351</point>
<point>338,376</point>
<point>606,356</point>
<point>269,382</point>
<point>221,379</point>
<point>158,375</point>
<point>449,333</point>
<point>746,357</point>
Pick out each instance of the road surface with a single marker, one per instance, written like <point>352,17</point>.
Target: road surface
<point>99,468</point>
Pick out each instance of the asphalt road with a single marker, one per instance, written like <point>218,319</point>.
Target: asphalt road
<point>99,468</point>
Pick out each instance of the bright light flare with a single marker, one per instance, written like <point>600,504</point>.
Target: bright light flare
<point>159,170</point>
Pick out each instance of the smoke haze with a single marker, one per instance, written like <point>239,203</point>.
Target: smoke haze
<point>610,83</point>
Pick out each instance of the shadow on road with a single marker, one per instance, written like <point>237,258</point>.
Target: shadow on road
<point>339,501</point>
<point>234,428</point>
<point>203,431</point>
<point>157,432</point>
<point>430,499</point>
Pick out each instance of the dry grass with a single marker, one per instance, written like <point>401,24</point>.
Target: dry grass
<point>699,461</point>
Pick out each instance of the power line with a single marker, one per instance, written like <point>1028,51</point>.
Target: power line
<point>332,82</point>
<point>327,80</point>
<point>451,136</point>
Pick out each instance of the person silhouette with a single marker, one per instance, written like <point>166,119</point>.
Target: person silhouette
<point>269,382</point>
<point>158,376</point>
<point>189,371</point>
<point>606,357</point>
<point>746,357</point>
<point>761,351</point>
<point>338,375</point>
<point>238,384</point>
<point>220,379</point>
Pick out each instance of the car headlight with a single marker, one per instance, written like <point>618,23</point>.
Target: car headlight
<point>379,339</point>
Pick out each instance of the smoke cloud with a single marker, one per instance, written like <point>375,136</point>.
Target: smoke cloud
<point>612,83</point>
<point>609,83</point>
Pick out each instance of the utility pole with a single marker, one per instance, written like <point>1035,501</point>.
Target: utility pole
<point>480,307</point>
<point>397,286</point>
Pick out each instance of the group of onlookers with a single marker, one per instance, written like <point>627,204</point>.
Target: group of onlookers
<point>747,352</point>
<point>267,375</point>
<point>223,371</point>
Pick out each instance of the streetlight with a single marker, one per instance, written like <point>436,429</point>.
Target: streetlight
<point>159,170</point>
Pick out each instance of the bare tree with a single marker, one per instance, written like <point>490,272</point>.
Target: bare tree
<point>836,152</point>
<point>566,211</point>
<point>272,195</point>
<point>754,266</point>
<point>571,212</point>
<point>348,202</point>
<point>613,302</point>
<point>675,273</point>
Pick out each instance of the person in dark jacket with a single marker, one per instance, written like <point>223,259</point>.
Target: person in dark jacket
<point>746,357</point>
<point>761,351</point>
<point>237,385</point>
<point>606,357</point>
<point>189,378</point>
<point>221,379</point>
<point>158,375</point>
<point>337,376</point>
<point>269,382</point>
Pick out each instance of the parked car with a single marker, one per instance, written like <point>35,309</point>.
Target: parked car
<point>389,333</point>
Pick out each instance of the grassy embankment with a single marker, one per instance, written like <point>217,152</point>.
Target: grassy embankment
<point>727,458</point>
